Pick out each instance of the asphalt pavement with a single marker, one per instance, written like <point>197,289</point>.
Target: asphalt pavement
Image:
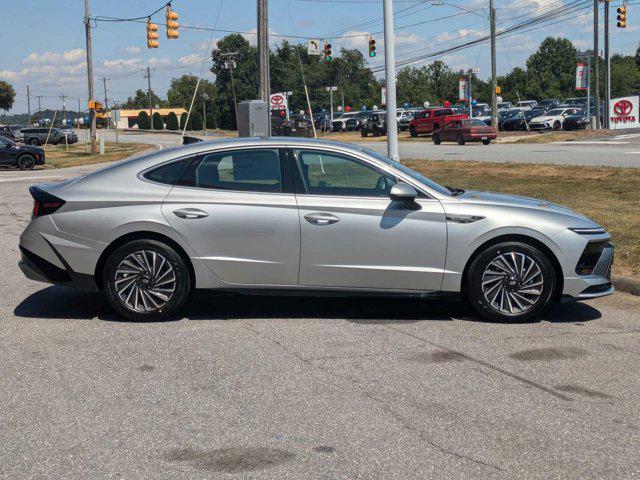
<point>259,387</point>
<point>617,150</point>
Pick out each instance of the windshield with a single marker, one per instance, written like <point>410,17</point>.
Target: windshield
<point>474,123</point>
<point>404,169</point>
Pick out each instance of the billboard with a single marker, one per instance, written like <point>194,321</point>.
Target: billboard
<point>623,112</point>
<point>582,76</point>
<point>463,89</point>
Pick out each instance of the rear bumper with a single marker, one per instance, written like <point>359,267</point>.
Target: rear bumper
<point>476,137</point>
<point>37,268</point>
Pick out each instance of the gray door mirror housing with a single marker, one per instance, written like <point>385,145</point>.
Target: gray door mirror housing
<point>401,192</point>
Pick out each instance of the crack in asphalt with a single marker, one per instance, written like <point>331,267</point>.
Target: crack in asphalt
<point>396,416</point>
<point>502,371</point>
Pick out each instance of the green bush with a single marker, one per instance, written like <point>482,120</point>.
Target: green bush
<point>196,121</point>
<point>157,121</point>
<point>143,120</point>
<point>211,121</point>
<point>183,120</point>
<point>172,122</point>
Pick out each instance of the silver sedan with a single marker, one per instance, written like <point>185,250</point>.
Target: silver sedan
<point>307,217</point>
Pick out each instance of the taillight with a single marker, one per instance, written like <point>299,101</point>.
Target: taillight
<point>44,203</point>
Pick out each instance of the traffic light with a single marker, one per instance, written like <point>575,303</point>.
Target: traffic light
<point>622,16</point>
<point>327,52</point>
<point>172,23</point>
<point>372,48</point>
<point>152,34</point>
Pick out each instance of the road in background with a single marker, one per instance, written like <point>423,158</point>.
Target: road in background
<point>622,151</point>
<point>258,387</point>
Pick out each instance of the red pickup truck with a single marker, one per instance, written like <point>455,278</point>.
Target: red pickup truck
<point>432,119</point>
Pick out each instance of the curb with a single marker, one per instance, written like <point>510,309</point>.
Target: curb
<point>626,284</point>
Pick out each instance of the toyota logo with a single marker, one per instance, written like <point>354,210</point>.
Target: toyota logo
<point>277,99</point>
<point>623,107</point>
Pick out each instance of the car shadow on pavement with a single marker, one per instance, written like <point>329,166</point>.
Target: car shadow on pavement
<point>57,302</point>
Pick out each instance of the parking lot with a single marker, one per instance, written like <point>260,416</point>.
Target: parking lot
<point>259,387</point>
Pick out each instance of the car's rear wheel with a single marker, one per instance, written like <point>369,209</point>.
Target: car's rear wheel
<point>413,132</point>
<point>436,139</point>
<point>461,140</point>
<point>510,281</point>
<point>146,280</point>
<point>34,141</point>
<point>486,142</point>
<point>26,162</point>
<point>363,132</point>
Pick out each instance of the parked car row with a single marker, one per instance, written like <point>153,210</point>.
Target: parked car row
<point>39,135</point>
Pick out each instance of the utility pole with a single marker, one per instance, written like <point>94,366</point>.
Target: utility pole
<point>148,77</point>
<point>390,77</point>
<point>204,115</point>
<point>607,67</point>
<point>63,97</point>
<point>231,64</point>
<point>106,100</point>
<point>29,105</point>
<point>494,80</point>
<point>264,84</point>
<point>92,114</point>
<point>596,62</point>
<point>39,108</point>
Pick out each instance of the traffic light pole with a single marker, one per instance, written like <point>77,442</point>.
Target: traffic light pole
<point>92,114</point>
<point>607,66</point>
<point>494,80</point>
<point>390,76</point>
<point>596,62</point>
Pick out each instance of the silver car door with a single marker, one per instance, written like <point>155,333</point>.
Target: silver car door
<point>354,236</point>
<point>236,210</point>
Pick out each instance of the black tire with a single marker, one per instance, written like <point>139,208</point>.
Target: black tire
<point>436,139</point>
<point>176,298</point>
<point>486,142</point>
<point>403,129</point>
<point>461,140</point>
<point>33,141</point>
<point>482,298</point>
<point>557,125</point>
<point>26,162</point>
<point>376,131</point>
<point>363,132</point>
<point>412,131</point>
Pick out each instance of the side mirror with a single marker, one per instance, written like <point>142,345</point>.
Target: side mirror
<point>401,192</point>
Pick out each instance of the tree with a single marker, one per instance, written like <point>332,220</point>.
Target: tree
<point>141,100</point>
<point>196,121</point>
<point>172,121</point>
<point>551,70</point>
<point>183,120</point>
<point>143,120</point>
<point>625,76</point>
<point>181,91</point>
<point>7,95</point>
<point>211,120</point>
<point>157,121</point>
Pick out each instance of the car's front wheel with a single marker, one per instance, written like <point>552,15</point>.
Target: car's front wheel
<point>413,132</point>
<point>146,280</point>
<point>510,281</point>
<point>436,139</point>
<point>34,141</point>
<point>26,162</point>
<point>363,132</point>
<point>461,140</point>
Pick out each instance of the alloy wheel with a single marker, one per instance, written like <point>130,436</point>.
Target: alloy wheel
<point>26,162</point>
<point>512,283</point>
<point>145,281</point>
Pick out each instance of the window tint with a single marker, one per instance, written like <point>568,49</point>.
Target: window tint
<point>255,170</point>
<point>335,174</point>
<point>3,143</point>
<point>169,173</point>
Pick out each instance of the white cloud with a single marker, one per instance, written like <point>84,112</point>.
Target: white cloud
<point>8,74</point>
<point>133,50</point>
<point>52,58</point>
<point>159,62</point>
<point>120,64</point>
<point>190,59</point>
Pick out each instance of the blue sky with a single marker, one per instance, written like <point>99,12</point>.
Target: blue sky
<point>43,40</point>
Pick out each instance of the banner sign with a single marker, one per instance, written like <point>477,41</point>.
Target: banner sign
<point>623,112</point>
<point>279,101</point>
<point>463,89</point>
<point>383,96</point>
<point>582,76</point>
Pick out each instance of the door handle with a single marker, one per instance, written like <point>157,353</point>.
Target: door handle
<point>190,213</point>
<point>320,218</point>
